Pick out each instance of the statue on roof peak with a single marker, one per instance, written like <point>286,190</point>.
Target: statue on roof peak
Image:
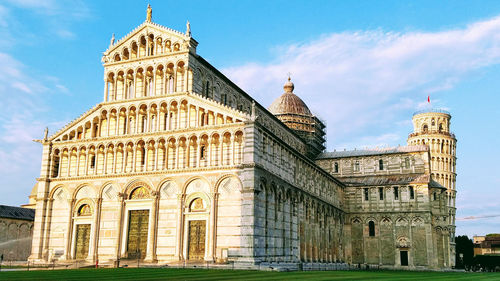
<point>112,41</point>
<point>188,29</point>
<point>149,13</point>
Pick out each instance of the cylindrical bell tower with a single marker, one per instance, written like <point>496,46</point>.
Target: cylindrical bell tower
<point>432,128</point>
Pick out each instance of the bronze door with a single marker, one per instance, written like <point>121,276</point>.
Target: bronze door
<point>196,243</point>
<point>82,241</point>
<point>137,240</point>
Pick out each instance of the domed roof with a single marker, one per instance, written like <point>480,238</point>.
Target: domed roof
<point>289,103</point>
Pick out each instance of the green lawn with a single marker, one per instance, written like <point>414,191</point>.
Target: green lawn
<point>202,274</point>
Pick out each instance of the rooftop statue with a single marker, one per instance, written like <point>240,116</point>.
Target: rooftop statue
<point>188,29</point>
<point>112,41</point>
<point>149,13</point>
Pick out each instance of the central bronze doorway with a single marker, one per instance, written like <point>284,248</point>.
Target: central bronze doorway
<point>137,240</point>
<point>82,241</point>
<point>196,240</point>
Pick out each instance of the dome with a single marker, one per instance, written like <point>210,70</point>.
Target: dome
<point>289,103</point>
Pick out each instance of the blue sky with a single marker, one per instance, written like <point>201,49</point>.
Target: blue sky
<point>362,66</point>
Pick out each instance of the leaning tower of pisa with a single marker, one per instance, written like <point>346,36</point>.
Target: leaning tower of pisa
<point>432,128</point>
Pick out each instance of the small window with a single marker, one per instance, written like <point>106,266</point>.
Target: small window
<point>356,166</point>
<point>396,193</point>
<point>365,190</point>
<point>207,88</point>
<point>143,124</point>
<point>56,167</point>
<point>440,127</point>
<point>380,164</point>
<point>371,228</point>
<point>336,167</point>
<point>143,156</point>
<point>381,193</point>
<point>425,128</point>
<point>433,122</point>
<point>96,130</point>
<point>412,193</point>
<point>407,162</point>
<point>435,196</point>
<point>202,119</point>
<point>92,161</point>
<point>202,152</point>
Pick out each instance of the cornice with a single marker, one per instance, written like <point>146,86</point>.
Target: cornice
<point>150,173</point>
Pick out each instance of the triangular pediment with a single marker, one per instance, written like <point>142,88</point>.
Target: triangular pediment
<point>72,128</point>
<point>146,29</point>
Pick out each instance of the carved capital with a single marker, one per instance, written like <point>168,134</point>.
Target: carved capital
<point>122,195</point>
<point>155,194</point>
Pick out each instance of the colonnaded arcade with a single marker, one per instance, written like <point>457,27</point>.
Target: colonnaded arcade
<point>178,164</point>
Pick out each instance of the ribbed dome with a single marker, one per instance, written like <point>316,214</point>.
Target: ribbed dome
<point>289,103</point>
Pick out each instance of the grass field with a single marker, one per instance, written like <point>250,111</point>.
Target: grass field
<point>202,274</point>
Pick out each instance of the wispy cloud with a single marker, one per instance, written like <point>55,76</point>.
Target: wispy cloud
<point>22,100</point>
<point>478,217</point>
<point>24,92</point>
<point>356,80</point>
<point>54,16</point>
<point>23,118</point>
<point>20,89</point>
<point>362,83</point>
<point>74,9</point>
<point>371,141</point>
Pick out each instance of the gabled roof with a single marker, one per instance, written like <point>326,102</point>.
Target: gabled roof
<point>16,213</point>
<point>374,151</point>
<point>381,180</point>
<point>146,25</point>
<point>385,180</point>
<point>75,121</point>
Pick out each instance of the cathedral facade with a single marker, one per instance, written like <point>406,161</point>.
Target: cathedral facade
<point>178,164</point>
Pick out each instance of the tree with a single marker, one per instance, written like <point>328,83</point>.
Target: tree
<point>464,246</point>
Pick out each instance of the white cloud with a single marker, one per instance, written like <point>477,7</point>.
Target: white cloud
<point>357,80</point>
<point>371,141</point>
<point>69,8</point>
<point>34,4</point>
<point>24,113</point>
<point>53,16</point>
<point>22,119</point>
<point>65,34</point>
<point>369,82</point>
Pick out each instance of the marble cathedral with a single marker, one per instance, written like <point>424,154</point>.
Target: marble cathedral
<point>178,164</point>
